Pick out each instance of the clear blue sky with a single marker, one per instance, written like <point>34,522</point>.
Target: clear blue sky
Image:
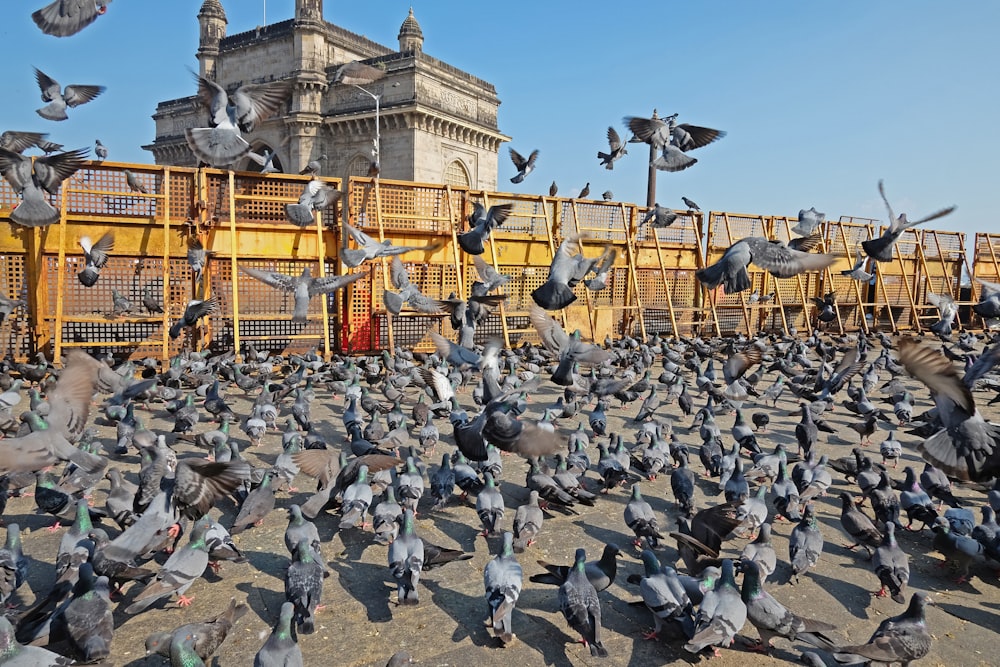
<point>820,99</point>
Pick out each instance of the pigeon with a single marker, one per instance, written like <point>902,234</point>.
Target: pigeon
<point>87,618</point>
<point>177,573</point>
<point>673,139</point>
<point>721,615</point>
<point>553,189</point>
<point>8,306</point>
<point>658,217</point>
<point>892,566</point>
<point>601,573</point>
<point>95,257</point>
<point>903,639</point>
<point>222,143</point>
<point>858,525</point>
<point>194,311</point>
<point>948,310</point>
<point>266,160</point>
<point>490,507</point>
<point>502,579</point>
<point>774,256</point>
<point>664,595</point>
<point>304,586</point>
<point>369,248</point>
<point>481,223</point>
<point>149,302</point>
<point>316,196</point>
<point>257,505</point>
<point>966,447</point>
<point>62,18</point>
<point>70,401</point>
<point>857,272</point>
<point>989,299</point>
<point>565,272</point>
<point>570,348</point>
<point>805,544</point>
<point>406,560</point>
<point>690,204</point>
<point>523,166</point>
<point>527,523</point>
<point>809,221</point>
<point>581,607</point>
<point>771,618</point>
<point>303,287</point>
<point>880,249</point>
<point>281,648</point>
<point>59,98</point>
<point>100,151</point>
<point>313,167</point>
<point>356,73</point>
<point>32,179</point>
<point>209,634</point>
<point>13,564</point>
<point>640,518</point>
<point>616,148</point>
<point>15,654</point>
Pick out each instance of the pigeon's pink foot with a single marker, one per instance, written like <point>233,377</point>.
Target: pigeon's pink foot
<point>184,601</point>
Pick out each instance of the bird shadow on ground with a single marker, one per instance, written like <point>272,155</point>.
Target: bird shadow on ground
<point>852,597</point>
<point>602,535</point>
<point>980,617</point>
<point>356,577</point>
<point>468,612</point>
<point>548,640</point>
<point>266,603</point>
<point>462,533</point>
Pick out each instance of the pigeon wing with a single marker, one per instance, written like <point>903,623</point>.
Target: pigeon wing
<point>331,283</point>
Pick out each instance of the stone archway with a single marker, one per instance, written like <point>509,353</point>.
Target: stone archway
<point>456,173</point>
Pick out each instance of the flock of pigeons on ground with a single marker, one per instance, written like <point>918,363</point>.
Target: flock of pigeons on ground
<point>397,409</point>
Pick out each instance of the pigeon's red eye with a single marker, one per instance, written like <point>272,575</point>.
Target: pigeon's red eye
<point>102,10</point>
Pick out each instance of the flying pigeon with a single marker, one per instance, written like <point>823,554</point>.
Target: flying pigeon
<point>62,18</point>
<point>523,166</point>
<point>303,287</point>
<point>316,196</point>
<point>809,221</point>
<point>32,179</point>
<point>617,148</point>
<point>774,256</point>
<point>59,98</point>
<point>880,249</point>
<point>481,223</point>
<point>95,257</point>
<point>659,216</point>
<point>194,311</point>
<point>369,248</point>
<point>222,143</point>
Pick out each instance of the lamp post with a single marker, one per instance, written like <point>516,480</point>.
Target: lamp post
<point>378,133</point>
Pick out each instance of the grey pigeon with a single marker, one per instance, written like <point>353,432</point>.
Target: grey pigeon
<point>903,639</point>
<point>809,221</point>
<point>857,524</point>
<point>15,654</point>
<point>369,248</point>
<point>33,178</point>
<point>59,98</point>
<point>406,560</point>
<point>222,143</point>
<point>616,149</point>
<point>89,623</point>
<point>857,272</point>
<point>316,196</point>
<point>892,566</point>
<point>357,498</point>
<point>658,217</point>
<point>177,573</point>
<point>672,139</point>
<point>13,564</point>
<point>771,618</point>
<point>304,586</point>
<point>523,165</point>
<point>303,287</point>
<point>100,151</point>
<point>502,579</point>
<point>690,204</point>
<point>601,573</point>
<point>481,223</point>
<point>70,400</point>
<point>387,517</point>
<point>721,615</point>
<point>581,607</point>
<point>257,505</point>
<point>805,544</point>
<point>880,249</point>
<point>281,648</point>
<point>490,507</point>
<point>665,597</point>
<point>62,18</point>
<point>209,634</point>
<point>774,256</point>
<point>639,516</point>
<point>95,256</point>
<point>194,311</point>
<point>527,523</point>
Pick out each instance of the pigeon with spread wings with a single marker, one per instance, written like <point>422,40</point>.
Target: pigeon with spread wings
<point>62,18</point>
<point>222,143</point>
<point>880,249</point>
<point>58,98</point>
<point>774,256</point>
<point>369,248</point>
<point>481,223</point>
<point>303,287</point>
<point>33,179</point>
<point>523,165</point>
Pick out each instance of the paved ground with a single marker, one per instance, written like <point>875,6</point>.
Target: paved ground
<point>362,625</point>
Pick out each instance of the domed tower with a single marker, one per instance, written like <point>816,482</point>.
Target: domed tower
<point>309,10</point>
<point>411,37</point>
<point>212,28</point>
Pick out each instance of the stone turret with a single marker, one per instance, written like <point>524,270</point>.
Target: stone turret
<point>411,37</point>
<point>309,10</point>
<point>212,28</point>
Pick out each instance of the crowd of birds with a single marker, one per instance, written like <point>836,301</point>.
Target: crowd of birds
<point>397,410</point>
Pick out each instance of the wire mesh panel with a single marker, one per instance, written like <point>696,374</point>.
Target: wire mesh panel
<point>986,257</point>
<point>682,232</point>
<point>14,331</point>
